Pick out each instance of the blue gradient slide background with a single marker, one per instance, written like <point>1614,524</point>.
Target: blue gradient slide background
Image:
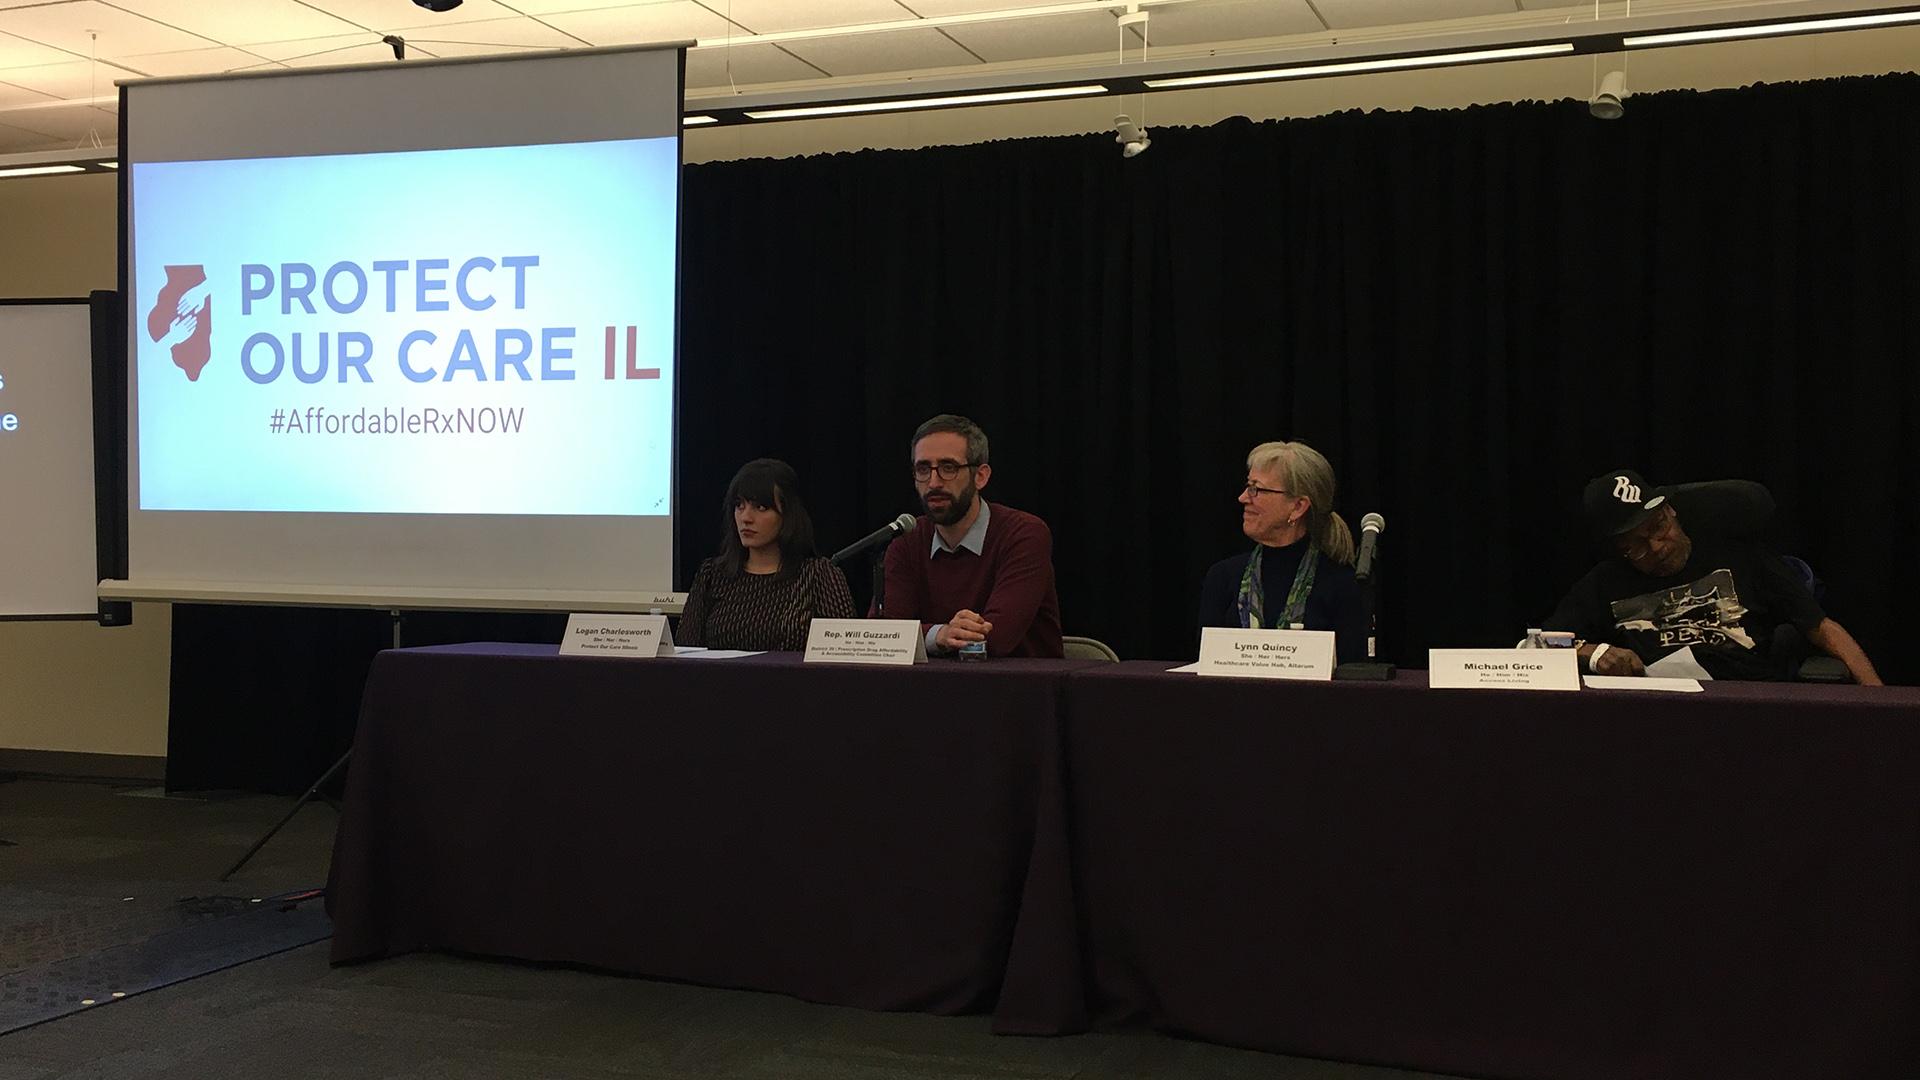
<point>601,218</point>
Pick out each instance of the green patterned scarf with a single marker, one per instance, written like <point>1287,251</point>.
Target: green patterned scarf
<point>1248,604</point>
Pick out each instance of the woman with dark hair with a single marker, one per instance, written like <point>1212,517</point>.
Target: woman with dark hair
<point>766,585</point>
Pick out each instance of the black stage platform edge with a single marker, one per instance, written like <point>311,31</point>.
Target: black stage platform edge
<point>73,765</point>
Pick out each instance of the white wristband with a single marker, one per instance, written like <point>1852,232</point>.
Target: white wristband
<point>1593,658</point>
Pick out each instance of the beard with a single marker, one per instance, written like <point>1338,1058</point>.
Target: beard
<point>958,503</point>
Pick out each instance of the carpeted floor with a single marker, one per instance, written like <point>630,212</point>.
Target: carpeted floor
<point>80,849</point>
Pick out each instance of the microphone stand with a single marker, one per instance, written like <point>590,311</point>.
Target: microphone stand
<point>314,791</point>
<point>875,548</point>
<point>1371,669</point>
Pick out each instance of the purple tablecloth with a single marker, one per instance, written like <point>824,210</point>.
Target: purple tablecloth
<point>882,837</point>
<point>1585,885</point>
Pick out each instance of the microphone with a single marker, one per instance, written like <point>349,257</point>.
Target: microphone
<point>878,536</point>
<point>1371,527</point>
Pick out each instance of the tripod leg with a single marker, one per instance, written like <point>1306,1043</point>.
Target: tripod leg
<point>302,801</point>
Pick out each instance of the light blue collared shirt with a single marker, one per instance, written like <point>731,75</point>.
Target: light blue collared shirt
<point>975,541</point>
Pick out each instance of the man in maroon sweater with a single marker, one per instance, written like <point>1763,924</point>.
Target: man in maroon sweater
<point>968,571</point>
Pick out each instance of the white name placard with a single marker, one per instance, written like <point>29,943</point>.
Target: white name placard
<point>1503,669</point>
<point>865,641</point>
<point>1266,654</point>
<point>638,636</point>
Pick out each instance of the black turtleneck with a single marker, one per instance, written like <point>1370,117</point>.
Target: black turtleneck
<point>1334,604</point>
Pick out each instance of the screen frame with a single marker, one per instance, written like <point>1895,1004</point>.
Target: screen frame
<point>299,593</point>
<point>106,455</point>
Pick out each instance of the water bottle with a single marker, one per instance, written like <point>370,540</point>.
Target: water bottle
<point>1534,640</point>
<point>973,650</point>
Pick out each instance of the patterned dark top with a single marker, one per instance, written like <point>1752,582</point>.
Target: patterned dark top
<point>758,611</point>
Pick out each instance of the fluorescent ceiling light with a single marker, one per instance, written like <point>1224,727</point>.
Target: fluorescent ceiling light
<point>41,170</point>
<point>1803,26</point>
<point>696,121</point>
<point>1344,67</point>
<point>108,164</point>
<point>897,104</point>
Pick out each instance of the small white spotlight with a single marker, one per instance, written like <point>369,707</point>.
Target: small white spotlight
<point>1606,103</point>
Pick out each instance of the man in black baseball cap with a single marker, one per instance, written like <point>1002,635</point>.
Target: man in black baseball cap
<point>1721,593</point>
<point>1637,519</point>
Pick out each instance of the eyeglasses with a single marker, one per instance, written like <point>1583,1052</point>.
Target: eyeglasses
<point>948,470</point>
<point>1254,491</point>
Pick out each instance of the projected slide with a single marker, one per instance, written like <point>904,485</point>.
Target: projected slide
<point>48,564</point>
<point>484,330</point>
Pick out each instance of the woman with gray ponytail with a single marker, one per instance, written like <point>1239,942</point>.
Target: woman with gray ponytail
<point>1300,571</point>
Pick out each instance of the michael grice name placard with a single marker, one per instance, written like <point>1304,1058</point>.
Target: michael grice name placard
<point>1266,654</point>
<point>1503,669</point>
<point>638,636</point>
<point>865,641</point>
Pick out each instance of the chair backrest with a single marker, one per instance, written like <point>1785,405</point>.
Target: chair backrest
<point>1741,508</point>
<point>1086,648</point>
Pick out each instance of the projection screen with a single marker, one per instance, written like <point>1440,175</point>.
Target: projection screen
<point>48,558</point>
<point>405,332</point>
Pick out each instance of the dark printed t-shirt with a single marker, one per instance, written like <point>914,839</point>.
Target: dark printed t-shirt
<point>1726,603</point>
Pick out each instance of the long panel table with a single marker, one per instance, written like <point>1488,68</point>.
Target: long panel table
<point>881,837</point>
<point>1506,884</point>
<point>1596,885</point>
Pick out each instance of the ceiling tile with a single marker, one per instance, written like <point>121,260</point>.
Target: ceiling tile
<point>751,64</point>
<point>1081,34</point>
<point>670,20</point>
<point>488,37</point>
<point>1350,14</point>
<point>387,15</point>
<point>191,62</point>
<point>773,16</point>
<point>19,140</point>
<point>933,9</point>
<point>244,23</point>
<point>870,54</point>
<point>19,52</point>
<point>303,47</point>
<point>543,8</point>
<point>11,95</point>
<point>1230,20</point>
<point>377,53</point>
<point>1536,5</point>
<point>69,127</point>
<point>66,26</point>
<point>73,79</point>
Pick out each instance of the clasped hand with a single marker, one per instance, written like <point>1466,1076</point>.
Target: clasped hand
<point>965,628</point>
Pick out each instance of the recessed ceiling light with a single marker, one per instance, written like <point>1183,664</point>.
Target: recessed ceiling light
<point>1802,26</point>
<point>41,170</point>
<point>896,104</point>
<point>1344,67</point>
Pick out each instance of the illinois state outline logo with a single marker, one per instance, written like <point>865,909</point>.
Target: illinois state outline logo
<point>182,319</point>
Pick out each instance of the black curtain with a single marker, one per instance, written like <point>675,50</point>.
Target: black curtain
<point>1470,312</point>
